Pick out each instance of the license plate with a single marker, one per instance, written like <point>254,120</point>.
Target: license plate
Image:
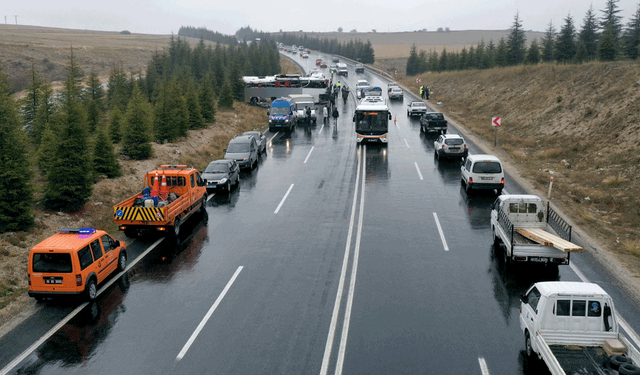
<point>538,259</point>
<point>51,280</point>
<point>214,186</point>
<point>454,149</point>
<point>486,178</point>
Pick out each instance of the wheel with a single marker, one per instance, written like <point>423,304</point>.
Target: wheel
<point>176,227</point>
<point>254,101</point>
<point>527,347</point>
<point>91,290</point>
<point>437,156</point>
<point>238,181</point>
<point>203,205</point>
<point>407,113</point>
<point>617,361</point>
<point>496,239</point>
<point>228,187</point>
<point>506,259</point>
<point>629,369</point>
<point>131,232</point>
<point>122,261</point>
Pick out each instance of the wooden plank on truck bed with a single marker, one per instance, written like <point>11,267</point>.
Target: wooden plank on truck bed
<point>545,238</point>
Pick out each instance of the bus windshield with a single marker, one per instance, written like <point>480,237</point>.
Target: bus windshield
<point>372,121</point>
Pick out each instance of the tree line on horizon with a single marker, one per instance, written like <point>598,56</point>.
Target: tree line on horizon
<point>68,139</point>
<point>603,39</point>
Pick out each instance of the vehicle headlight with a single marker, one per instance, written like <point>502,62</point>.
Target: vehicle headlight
<point>222,181</point>
<point>270,120</point>
<point>245,159</point>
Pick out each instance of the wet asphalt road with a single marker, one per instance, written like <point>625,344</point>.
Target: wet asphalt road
<point>266,271</point>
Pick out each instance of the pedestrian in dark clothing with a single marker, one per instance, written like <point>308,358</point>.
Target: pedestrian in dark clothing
<point>308,113</point>
<point>335,115</point>
<point>332,101</point>
<point>427,92</point>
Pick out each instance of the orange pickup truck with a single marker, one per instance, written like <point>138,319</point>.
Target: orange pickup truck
<point>171,195</point>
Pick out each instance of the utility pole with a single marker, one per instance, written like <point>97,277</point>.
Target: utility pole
<point>5,20</point>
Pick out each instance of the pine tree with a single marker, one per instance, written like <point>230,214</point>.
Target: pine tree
<point>609,45</point>
<point>566,43</point>
<point>105,161</point>
<point>237,86</point>
<point>533,55</point>
<point>502,58</point>
<point>69,179</point>
<point>135,141</point>
<point>589,34</point>
<point>47,149</point>
<point>30,104</point>
<point>226,97</point>
<point>94,91</point>
<point>117,92</point>
<point>115,125</point>
<point>206,99</point>
<point>94,115</point>
<point>581,53</point>
<point>170,119</point>
<point>195,113</point>
<point>46,111</point>
<point>549,44</point>
<point>16,212</point>
<point>368,54</point>
<point>516,43</point>
<point>413,63</point>
<point>443,62</point>
<point>632,36</point>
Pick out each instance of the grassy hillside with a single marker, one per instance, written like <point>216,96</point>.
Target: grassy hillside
<point>577,123</point>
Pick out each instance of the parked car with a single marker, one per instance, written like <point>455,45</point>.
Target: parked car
<point>260,139</point>
<point>74,262</point>
<point>416,108</point>
<point>221,175</point>
<point>450,146</point>
<point>361,84</point>
<point>396,93</point>
<point>482,172</point>
<point>244,150</point>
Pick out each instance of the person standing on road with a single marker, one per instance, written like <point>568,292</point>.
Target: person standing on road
<point>428,92</point>
<point>422,91</point>
<point>325,115</point>
<point>308,113</point>
<point>335,115</point>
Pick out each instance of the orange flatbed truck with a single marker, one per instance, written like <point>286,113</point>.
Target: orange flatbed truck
<point>185,193</point>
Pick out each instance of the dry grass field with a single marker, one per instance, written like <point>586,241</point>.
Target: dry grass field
<point>579,124</point>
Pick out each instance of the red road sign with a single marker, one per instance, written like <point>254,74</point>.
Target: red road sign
<point>496,121</point>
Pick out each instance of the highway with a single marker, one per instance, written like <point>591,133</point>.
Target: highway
<point>330,257</point>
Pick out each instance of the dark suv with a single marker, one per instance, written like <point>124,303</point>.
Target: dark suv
<point>244,150</point>
<point>221,175</point>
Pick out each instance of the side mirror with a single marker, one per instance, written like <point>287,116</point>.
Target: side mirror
<point>224,150</point>
<point>523,298</point>
<point>390,117</point>
<point>117,243</point>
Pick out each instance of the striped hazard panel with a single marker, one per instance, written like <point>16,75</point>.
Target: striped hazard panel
<point>138,213</point>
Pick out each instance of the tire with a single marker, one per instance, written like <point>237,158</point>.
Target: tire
<point>228,187</point>
<point>176,228</point>
<point>91,291</point>
<point>531,355</point>
<point>131,232</point>
<point>617,361</point>
<point>122,261</point>
<point>253,101</point>
<point>203,205</point>
<point>629,369</point>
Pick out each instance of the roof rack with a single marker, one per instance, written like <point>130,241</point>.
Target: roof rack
<point>173,166</point>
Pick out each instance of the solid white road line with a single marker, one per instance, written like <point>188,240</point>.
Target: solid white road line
<point>72,314</point>
<point>211,196</point>
<point>406,143</point>
<point>354,270</point>
<point>273,137</point>
<point>343,273</point>
<point>418,169</point>
<point>307,158</point>
<point>206,317</point>
<point>283,199</point>
<point>322,127</point>
<point>444,241</point>
<point>483,366</point>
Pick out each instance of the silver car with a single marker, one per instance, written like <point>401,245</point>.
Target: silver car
<point>221,175</point>
<point>244,150</point>
<point>396,93</point>
<point>260,139</point>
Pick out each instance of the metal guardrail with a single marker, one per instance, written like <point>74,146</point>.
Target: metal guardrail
<point>506,225</point>
<point>558,224</point>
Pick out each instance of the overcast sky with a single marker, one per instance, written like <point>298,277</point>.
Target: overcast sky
<point>166,16</point>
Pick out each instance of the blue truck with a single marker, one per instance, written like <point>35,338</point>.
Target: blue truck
<point>281,115</point>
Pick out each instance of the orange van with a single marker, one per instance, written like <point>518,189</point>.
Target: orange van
<point>74,262</point>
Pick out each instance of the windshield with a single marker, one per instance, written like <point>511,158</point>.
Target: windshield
<point>454,141</point>
<point>487,167</point>
<point>216,168</point>
<point>236,147</point>
<point>372,121</point>
<point>418,104</point>
<point>52,263</point>
<point>279,111</point>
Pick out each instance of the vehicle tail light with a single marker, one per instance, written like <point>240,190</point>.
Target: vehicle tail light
<point>78,280</point>
<point>161,229</point>
<point>471,180</point>
<point>29,278</point>
<point>519,258</point>
<point>122,227</point>
<point>502,181</point>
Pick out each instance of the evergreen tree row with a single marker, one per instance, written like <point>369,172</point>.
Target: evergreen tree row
<point>603,39</point>
<point>203,33</point>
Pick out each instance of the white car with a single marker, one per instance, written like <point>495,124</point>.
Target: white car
<point>361,84</point>
<point>482,172</point>
<point>416,108</point>
<point>450,146</point>
<point>396,93</point>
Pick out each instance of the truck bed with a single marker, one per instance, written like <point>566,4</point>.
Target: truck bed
<point>582,360</point>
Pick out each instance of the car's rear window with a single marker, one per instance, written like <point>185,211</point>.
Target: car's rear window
<point>418,104</point>
<point>52,263</point>
<point>454,141</point>
<point>487,167</point>
<point>435,116</point>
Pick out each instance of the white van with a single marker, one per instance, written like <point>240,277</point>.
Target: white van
<point>482,172</point>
